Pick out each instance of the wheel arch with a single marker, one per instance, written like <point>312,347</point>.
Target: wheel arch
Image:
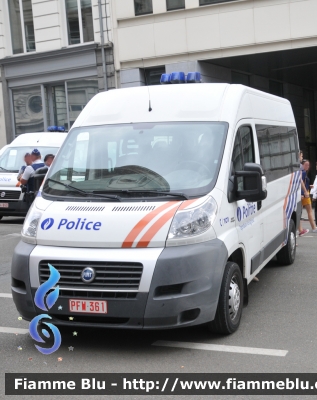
<point>238,257</point>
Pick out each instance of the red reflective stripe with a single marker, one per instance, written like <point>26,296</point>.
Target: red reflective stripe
<point>148,236</point>
<point>129,240</point>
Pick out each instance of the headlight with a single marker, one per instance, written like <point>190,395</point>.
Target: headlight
<point>30,225</point>
<point>194,221</point>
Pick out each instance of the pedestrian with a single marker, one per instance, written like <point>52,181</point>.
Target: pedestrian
<point>27,177</point>
<point>314,193</point>
<point>28,161</point>
<point>306,202</point>
<point>48,159</point>
<point>301,230</point>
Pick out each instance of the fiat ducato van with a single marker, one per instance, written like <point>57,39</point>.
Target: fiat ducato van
<point>161,206</point>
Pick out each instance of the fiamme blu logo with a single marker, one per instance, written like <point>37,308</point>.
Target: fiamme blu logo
<point>44,299</point>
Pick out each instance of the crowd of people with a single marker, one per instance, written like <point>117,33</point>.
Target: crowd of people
<point>33,161</point>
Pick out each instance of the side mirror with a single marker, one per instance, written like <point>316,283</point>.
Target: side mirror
<point>39,177</point>
<point>253,183</point>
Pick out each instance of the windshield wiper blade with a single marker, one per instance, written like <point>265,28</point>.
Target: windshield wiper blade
<point>175,194</point>
<point>7,170</point>
<point>83,192</point>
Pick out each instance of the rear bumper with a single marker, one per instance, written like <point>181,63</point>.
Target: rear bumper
<point>15,209</point>
<point>183,291</point>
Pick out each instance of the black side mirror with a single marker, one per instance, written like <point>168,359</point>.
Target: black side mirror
<point>254,183</point>
<point>39,177</point>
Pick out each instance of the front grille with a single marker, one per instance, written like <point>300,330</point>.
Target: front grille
<point>85,294</point>
<point>109,275</point>
<point>10,195</point>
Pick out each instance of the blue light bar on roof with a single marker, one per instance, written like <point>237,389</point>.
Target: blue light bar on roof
<point>193,77</point>
<point>177,77</point>
<point>55,128</point>
<point>165,79</point>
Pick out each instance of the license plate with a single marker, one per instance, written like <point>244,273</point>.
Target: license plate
<point>4,205</point>
<point>88,306</point>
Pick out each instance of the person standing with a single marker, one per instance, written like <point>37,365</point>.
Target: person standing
<point>28,161</point>
<point>28,174</point>
<point>314,193</point>
<point>306,202</point>
<point>48,159</point>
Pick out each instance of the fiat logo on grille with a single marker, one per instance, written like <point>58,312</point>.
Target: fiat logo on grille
<point>3,194</point>
<point>88,274</point>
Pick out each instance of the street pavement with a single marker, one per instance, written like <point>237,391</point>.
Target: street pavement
<point>281,315</point>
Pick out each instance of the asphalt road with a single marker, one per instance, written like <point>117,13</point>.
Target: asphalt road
<point>281,315</point>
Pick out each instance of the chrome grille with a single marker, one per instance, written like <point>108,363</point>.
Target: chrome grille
<point>109,275</point>
<point>10,194</point>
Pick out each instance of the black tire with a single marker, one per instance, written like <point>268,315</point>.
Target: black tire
<point>1,216</point>
<point>287,254</point>
<point>227,320</point>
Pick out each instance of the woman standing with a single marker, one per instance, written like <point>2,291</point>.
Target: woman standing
<point>306,202</point>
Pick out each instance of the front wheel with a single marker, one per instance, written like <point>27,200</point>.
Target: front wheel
<point>286,256</point>
<point>230,304</point>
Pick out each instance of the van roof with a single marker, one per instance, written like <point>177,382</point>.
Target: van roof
<point>184,102</point>
<point>40,139</point>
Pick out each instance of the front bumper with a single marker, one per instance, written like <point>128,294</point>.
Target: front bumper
<point>183,289</point>
<point>16,209</point>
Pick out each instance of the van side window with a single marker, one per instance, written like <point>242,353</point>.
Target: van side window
<point>279,151</point>
<point>237,159</point>
<point>247,144</point>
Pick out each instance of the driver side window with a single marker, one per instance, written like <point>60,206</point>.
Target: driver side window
<point>243,151</point>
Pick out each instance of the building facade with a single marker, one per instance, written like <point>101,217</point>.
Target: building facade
<point>270,45</point>
<point>55,55</point>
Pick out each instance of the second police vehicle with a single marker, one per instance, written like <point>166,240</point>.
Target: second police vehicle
<point>159,212</point>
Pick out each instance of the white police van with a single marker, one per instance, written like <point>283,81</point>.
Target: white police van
<point>158,214</point>
<point>12,159</point>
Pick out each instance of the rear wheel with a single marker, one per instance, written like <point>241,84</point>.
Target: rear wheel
<point>230,304</point>
<point>286,256</point>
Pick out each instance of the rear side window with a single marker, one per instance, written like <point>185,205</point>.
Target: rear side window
<point>278,146</point>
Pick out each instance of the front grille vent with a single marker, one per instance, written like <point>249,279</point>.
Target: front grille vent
<point>140,208</point>
<point>109,275</point>
<point>85,294</point>
<point>82,208</point>
<point>10,194</point>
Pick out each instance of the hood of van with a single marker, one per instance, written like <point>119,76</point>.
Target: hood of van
<point>108,225</point>
<point>8,179</point>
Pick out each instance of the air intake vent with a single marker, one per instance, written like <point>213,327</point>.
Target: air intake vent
<point>82,208</point>
<point>140,208</point>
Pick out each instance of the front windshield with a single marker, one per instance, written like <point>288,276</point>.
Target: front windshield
<point>12,159</point>
<point>132,160</point>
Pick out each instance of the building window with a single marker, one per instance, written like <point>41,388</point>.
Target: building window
<point>240,78</point>
<point>28,110</point>
<point>175,4</point>
<point>153,75</point>
<point>142,7</point>
<point>22,28</point>
<point>37,107</point>
<point>276,88</point>
<point>206,2</point>
<point>79,21</point>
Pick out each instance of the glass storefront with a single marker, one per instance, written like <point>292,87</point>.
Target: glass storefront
<point>28,109</point>
<point>62,103</point>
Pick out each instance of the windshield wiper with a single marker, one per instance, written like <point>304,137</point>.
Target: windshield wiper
<point>176,194</point>
<point>7,170</point>
<point>83,192</point>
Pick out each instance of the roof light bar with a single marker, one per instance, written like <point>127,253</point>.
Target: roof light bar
<point>55,128</point>
<point>179,77</point>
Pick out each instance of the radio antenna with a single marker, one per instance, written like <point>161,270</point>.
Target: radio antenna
<point>150,107</point>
